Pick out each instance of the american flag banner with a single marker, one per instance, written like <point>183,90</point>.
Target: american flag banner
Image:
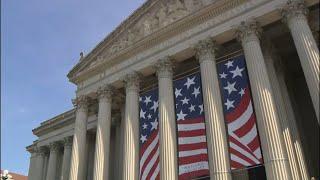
<point>149,135</point>
<point>244,143</point>
<point>192,143</point>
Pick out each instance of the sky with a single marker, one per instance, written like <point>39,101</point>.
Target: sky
<point>40,43</point>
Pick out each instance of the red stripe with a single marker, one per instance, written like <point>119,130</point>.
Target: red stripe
<point>158,176</point>
<point>188,147</point>
<point>231,139</point>
<point>241,107</point>
<point>236,165</point>
<point>150,156</point>
<point>194,174</point>
<point>199,132</point>
<point>199,119</point>
<point>149,141</point>
<point>246,128</point>
<point>193,159</point>
<point>153,168</point>
<point>254,144</point>
<point>241,156</point>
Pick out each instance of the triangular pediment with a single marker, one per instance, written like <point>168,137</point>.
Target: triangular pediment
<point>152,16</point>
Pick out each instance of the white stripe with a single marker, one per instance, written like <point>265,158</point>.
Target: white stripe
<point>186,168</point>
<point>257,153</point>
<point>156,172</point>
<point>149,165</point>
<point>192,152</point>
<point>239,160</point>
<point>148,151</point>
<point>192,140</point>
<point>244,152</point>
<point>190,127</point>
<point>246,139</point>
<point>242,119</point>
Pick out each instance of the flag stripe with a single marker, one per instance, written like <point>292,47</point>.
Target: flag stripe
<point>244,143</point>
<point>192,152</point>
<point>192,159</point>
<point>149,135</point>
<point>192,143</point>
<point>187,147</point>
<point>200,132</point>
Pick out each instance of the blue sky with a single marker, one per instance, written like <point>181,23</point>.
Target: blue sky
<point>40,42</point>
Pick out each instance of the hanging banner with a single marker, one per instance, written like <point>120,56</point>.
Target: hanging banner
<point>149,135</point>
<point>244,143</point>
<point>192,143</point>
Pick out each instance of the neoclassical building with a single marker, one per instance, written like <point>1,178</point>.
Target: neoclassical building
<point>164,40</point>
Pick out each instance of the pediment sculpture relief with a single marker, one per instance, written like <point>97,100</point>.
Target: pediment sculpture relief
<point>162,14</point>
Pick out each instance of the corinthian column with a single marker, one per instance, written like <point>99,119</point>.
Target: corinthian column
<point>294,13</point>
<point>167,122</point>
<point>118,144</point>
<point>282,113</point>
<point>53,158</point>
<point>67,147</point>
<point>131,128</point>
<point>292,124</point>
<point>41,155</point>
<point>77,168</point>
<point>33,162</point>
<point>101,158</point>
<point>215,126</point>
<point>274,154</point>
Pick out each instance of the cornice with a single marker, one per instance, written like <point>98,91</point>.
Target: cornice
<point>55,123</point>
<point>157,37</point>
<point>112,36</point>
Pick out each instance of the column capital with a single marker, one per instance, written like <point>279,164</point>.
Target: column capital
<point>206,49</point>
<point>32,149</point>
<point>294,8</point>
<point>248,31</point>
<point>42,151</point>
<point>54,146</point>
<point>164,67</point>
<point>132,81</point>
<point>81,102</point>
<point>67,142</point>
<point>105,92</point>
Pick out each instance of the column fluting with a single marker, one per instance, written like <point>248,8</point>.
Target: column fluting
<point>41,155</point>
<point>294,14</point>
<point>33,162</point>
<point>292,123</point>
<point>130,169</point>
<point>53,158</point>
<point>167,121</point>
<point>215,125</point>
<point>275,156</point>
<point>101,158</point>
<point>67,150</point>
<point>77,168</point>
<point>117,123</point>
<point>282,113</point>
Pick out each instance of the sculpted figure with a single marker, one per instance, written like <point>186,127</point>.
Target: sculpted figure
<point>176,10</point>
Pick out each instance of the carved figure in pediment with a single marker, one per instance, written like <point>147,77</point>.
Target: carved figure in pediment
<point>176,10</point>
<point>162,15</point>
<point>114,48</point>
<point>150,24</point>
<point>96,61</point>
<point>193,5</point>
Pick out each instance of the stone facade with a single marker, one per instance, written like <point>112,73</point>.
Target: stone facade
<point>99,138</point>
